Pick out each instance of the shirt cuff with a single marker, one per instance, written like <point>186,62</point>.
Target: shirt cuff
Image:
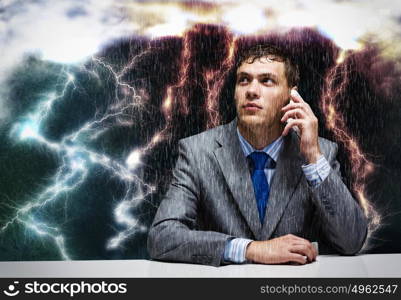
<point>318,172</point>
<point>235,250</point>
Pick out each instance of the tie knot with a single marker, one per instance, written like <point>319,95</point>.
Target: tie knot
<point>259,160</point>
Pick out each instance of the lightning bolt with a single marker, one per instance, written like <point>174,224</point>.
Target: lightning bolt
<point>174,98</point>
<point>214,82</point>
<point>336,81</point>
<point>214,77</point>
<point>172,90</point>
<point>77,158</point>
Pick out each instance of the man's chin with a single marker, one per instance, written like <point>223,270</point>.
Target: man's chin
<point>251,121</point>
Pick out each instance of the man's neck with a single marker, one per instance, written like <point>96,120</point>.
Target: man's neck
<point>260,136</point>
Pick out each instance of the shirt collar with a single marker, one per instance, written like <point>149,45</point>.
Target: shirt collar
<point>273,149</point>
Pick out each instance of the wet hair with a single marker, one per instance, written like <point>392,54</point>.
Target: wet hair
<point>291,70</point>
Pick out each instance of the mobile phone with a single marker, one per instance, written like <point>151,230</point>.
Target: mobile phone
<point>296,129</point>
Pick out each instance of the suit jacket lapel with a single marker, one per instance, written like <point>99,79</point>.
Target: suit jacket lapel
<point>234,166</point>
<point>285,180</point>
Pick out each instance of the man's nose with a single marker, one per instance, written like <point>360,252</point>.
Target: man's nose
<point>253,91</point>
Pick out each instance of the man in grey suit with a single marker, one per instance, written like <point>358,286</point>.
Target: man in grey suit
<point>261,188</point>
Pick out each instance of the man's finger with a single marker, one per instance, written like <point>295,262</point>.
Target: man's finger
<point>294,113</point>
<point>298,258</point>
<point>304,250</point>
<point>301,241</point>
<point>301,105</point>
<point>296,238</point>
<point>294,105</point>
<point>290,124</point>
<point>296,96</point>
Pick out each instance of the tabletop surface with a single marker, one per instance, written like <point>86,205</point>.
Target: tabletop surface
<point>368,265</point>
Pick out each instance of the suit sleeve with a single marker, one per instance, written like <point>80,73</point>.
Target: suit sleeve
<point>343,222</point>
<point>173,235</point>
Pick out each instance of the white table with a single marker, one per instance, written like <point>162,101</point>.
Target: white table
<point>369,265</point>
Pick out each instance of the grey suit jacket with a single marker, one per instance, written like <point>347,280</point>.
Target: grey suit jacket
<point>211,200</point>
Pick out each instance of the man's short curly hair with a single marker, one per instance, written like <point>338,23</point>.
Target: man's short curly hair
<point>249,55</point>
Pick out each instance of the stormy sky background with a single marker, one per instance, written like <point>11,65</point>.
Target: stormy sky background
<point>94,96</point>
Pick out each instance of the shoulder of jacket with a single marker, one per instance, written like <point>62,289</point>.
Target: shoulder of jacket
<point>205,138</point>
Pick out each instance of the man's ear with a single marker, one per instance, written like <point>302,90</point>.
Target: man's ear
<point>289,92</point>
<point>292,88</point>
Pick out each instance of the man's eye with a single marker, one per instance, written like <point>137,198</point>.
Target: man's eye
<point>243,80</point>
<point>268,81</point>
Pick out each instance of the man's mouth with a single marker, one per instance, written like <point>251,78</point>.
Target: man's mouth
<point>252,107</point>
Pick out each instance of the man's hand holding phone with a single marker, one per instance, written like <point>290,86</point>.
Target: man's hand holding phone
<point>299,113</point>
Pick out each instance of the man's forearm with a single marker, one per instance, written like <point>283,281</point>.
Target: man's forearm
<point>172,241</point>
<point>343,221</point>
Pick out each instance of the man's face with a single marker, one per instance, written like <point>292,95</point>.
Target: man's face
<point>261,90</point>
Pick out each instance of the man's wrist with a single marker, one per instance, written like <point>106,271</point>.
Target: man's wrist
<point>317,173</point>
<point>235,250</point>
<point>312,158</point>
<point>250,251</point>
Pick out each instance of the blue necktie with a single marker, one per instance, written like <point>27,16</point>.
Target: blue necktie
<point>259,180</point>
